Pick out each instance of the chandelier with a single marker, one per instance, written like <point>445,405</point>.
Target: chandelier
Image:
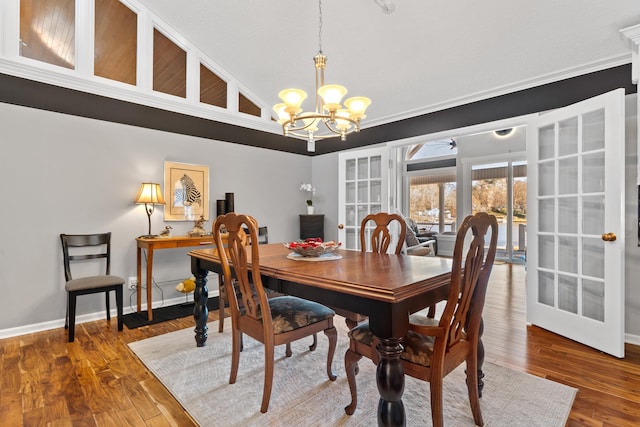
<point>330,119</point>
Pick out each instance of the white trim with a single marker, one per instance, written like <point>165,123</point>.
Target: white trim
<point>84,318</point>
<point>463,131</point>
<point>84,38</point>
<point>116,90</point>
<point>632,339</point>
<point>633,34</point>
<point>504,90</point>
<point>81,78</point>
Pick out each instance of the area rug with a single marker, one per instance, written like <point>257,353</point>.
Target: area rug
<point>163,314</point>
<point>303,396</point>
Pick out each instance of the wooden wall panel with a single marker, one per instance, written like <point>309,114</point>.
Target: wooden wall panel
<point>213,90</point>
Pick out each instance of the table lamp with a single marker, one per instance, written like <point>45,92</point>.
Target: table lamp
<point>150,195</point>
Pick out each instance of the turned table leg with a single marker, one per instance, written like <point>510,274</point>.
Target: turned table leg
<point>200,309</point>
<point>390,380</point>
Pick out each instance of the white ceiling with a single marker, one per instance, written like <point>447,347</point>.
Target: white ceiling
<point>425,56</point>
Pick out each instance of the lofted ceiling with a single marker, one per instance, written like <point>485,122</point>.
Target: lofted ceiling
<point>424,56</point>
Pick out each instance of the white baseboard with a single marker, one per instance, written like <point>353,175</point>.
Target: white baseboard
<point>89,317</point>
<point>632,339</point>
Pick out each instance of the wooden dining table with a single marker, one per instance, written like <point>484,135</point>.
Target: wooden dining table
<point>386,288</point>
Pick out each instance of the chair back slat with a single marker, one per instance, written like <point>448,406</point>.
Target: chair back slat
<point>249,295</point>
<point>100,244</point>
<point>380,236</point>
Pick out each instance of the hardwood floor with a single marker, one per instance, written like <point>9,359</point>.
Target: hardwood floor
<point>97,381</point>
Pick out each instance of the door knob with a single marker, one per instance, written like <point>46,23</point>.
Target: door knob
<point>340,226</point>
<point>609,237</point>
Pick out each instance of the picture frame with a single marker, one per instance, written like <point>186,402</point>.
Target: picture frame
<point>186,191</point>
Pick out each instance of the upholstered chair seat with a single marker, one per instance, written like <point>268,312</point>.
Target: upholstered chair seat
<point>289,313</point>
<point>417,348</point>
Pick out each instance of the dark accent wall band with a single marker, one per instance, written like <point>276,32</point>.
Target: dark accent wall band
<point>435,164</point>
<point>29,93</point>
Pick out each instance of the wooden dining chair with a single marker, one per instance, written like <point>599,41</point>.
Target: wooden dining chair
<point>272,321</point>
<point>377,241</point>
<point>433,348</point>
<point>99,248</point>
<point>380,238</point>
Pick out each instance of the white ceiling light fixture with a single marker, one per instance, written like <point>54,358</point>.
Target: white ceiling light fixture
<point>329,119</point>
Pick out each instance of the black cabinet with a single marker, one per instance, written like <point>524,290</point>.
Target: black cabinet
<point>311,226</point>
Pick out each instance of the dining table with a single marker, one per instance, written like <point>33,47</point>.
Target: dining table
<point>385,288</point>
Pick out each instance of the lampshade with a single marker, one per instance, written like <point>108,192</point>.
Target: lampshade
<point>357,106</point>
<point>281,111</point>
<point>331,96</point>
<point>150,193</point>
<point>341,123</point>
<point>292,97</point>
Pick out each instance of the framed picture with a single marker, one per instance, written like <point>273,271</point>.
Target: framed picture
<point>186,191</point>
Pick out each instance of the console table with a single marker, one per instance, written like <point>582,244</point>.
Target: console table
<point>155,244</point>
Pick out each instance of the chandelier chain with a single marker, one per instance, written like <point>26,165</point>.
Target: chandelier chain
<point>320,26</point>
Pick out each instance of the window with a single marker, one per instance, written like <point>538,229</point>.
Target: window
<point>248,107</point>
<point>213,90</point>
<point>169,66</point>
<point>47,31</point>
<point>432,201</point>
<point>115,41</point>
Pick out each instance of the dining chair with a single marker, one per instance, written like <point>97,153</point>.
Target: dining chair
<point>271,321</point>
<point>99,247</point>
<point>433,348</point>
<point>380,238</point>
<point>263,239</point>
<point>377,240</point>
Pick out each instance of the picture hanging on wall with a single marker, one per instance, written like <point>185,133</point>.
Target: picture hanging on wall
<point>186,191</point>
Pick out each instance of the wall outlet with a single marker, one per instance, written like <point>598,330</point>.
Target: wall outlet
<point>132,283</point>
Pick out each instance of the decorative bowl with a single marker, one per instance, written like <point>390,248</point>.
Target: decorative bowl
<point>312,247</point>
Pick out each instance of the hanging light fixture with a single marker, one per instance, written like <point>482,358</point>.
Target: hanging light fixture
<point>329,119</point>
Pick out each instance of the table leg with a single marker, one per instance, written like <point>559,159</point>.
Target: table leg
<point>200,309</point>
<point>149,282</point>
<point>390,380</point>
<point>139,277</point>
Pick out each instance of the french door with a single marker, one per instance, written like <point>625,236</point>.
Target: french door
<point>575,277</point>
<point>363,189</point>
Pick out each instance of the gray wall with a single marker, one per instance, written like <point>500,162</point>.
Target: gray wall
<point>67,174</point>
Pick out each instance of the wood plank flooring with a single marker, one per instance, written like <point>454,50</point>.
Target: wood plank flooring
<point>98,381</point>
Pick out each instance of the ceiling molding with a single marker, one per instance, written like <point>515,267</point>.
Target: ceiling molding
<point>502,90</point>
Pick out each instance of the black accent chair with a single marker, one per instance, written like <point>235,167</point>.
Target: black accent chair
<point>100,245</point>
